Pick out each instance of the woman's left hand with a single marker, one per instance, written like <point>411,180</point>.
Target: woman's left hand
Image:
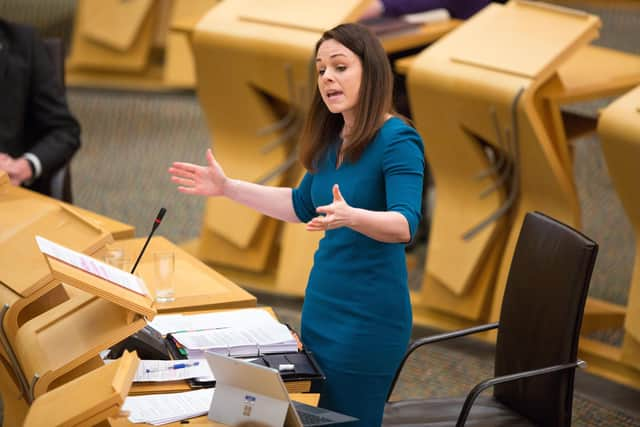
<point>337,214</point>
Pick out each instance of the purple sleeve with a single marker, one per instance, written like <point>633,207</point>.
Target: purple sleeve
<point>460,9</point>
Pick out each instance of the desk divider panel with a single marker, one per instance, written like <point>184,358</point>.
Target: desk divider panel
<point>619,129</point>
<point>65,341</point>
<point>87,400</point>
<point>22,267</point>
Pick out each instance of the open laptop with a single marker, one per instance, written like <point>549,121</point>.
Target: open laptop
<point>245,391</point>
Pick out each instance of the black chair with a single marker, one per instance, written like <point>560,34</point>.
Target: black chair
<point>59,184</point>
<point>537,342</point>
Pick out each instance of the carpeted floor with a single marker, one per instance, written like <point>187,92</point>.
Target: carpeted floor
<point>130,138</point>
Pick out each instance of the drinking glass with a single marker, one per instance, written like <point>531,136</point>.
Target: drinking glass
<point>115,257</point>
<point>164,268</point>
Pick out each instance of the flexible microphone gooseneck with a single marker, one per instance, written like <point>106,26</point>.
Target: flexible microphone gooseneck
<point>156,223</point>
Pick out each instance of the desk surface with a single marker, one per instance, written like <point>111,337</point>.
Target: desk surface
<point>118,230</point>
<point>197,286</point>
<point>308,398</point>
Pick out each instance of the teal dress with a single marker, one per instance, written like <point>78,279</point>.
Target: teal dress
<point>356,316</point>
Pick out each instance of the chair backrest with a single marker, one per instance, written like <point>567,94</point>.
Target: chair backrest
<point>60,182</point>
<point>541,317</point>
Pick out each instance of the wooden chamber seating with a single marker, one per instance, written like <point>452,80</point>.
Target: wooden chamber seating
<point>57,319</point>
<point>489,109</point>
<point>137,44</point>
<point>619,130</point>
<point>253,63</point>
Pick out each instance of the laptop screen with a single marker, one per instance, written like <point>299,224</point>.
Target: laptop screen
<point>249,392</point>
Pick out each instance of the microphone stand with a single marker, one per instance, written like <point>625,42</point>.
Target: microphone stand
<point>156,223</point>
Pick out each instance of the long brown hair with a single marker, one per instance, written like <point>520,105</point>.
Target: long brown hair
<point>322,127</point>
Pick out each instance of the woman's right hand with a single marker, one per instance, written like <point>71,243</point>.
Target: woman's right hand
<point>200,180</point>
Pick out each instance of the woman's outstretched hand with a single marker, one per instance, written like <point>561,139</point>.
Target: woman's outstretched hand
<point>200,180</point>
<point>336,215</point>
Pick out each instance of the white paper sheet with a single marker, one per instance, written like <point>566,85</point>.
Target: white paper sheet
<point>158,409</point>
<point>92,266</point>
<point>163,370</point>
<point>240,341</point>
<point>170,323</point>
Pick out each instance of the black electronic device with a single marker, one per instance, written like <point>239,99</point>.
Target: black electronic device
<point>147,342</point>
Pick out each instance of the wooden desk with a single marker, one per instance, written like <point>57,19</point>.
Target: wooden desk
<point>308,398</point>
<point>426,34</point>
<point>42,312</point>
<point>197,286</point>
<point>302,386</point>
<point>475,89</point>
<point>119,230</point>
<point>297,390</point>
<point>619,130</point>
<point>591,73</point>
<point>27,278</point>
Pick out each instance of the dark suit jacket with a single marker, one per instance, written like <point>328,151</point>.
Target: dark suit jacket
<point>34,116</point>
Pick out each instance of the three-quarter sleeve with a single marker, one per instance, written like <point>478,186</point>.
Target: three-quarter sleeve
<point>301,198</point>
<point>403,166</point>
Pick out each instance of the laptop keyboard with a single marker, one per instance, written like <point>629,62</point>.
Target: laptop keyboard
<point>312,419</point>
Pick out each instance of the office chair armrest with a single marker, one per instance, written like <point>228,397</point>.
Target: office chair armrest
<point>480,387</point>
<point>437,338</point>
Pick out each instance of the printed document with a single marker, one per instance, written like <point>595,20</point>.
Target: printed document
<point>239,341</point>
<point>92,266</point>
<point>158,409</point>
<point>171,323</point>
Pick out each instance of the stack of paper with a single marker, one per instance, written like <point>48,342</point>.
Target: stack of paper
<point>158,409</point>
<point>240,333</point>
<point>242,341</point>
<point>170,323</point>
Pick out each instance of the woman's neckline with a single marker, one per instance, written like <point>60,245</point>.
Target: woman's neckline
<point>339,159</point>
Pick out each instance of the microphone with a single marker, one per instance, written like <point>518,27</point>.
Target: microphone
<point>155,225</point>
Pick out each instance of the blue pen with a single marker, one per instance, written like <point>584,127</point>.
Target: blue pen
<point>176,366</point>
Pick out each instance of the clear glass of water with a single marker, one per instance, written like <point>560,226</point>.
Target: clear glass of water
<point>164,269</point>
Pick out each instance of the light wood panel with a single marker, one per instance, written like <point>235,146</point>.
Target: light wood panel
<point>267,50</point>
<point>466,99</point>
<point>88,400</point>
<point>197,286</point>
<point>619,130</point>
